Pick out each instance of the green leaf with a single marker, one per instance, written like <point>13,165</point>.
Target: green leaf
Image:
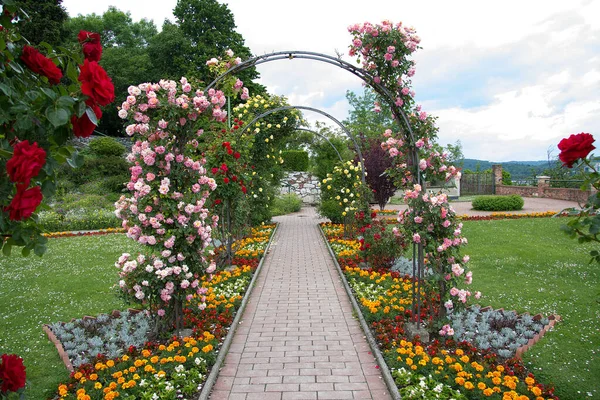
<point>6,89</point>
<point>39,249</point>
<point>65,101</point>
<point>48,188</point>
<point>16,67</point>
<point>91,115</point>
<point>25,251</point>
<point>72,71</point>
<point>6,249</point>
<point>57,116</point>
<point>76,160</point>
<point>50,93</point>
<point>80,109</point>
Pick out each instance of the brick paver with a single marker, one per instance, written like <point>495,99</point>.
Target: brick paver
<point>297,338</point>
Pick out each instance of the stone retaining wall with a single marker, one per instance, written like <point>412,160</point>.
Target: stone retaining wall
<point>305,185</point>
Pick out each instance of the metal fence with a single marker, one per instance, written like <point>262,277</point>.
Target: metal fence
<point>473,184</point>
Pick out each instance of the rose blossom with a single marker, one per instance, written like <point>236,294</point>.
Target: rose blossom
<point>26,162</point>
<point>96,84</point>
<point>575,147</point>
<point>41,64</point>
<point>92,48</point>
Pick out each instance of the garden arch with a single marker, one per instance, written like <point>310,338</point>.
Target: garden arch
<point>346,131</point>
<point>399,115</point>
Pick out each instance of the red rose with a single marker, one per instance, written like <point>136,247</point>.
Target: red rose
<point>92,48</point>
<point>226,144</point>
<point>40,64</point>
<point>575,147</point>
<point>224,167</point>
<point>83,126</point>
<point>96,84</point>
<point>225,180</point>
<point>244,190</point>
<point>26,162</point>
<point>25,202</point>
<point>12,373</point>
<point>236,155</point>
<point>214,170</point>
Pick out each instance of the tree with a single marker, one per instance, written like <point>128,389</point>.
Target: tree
<point>45,23</point>
<point>169,51</point>
<point>455,154</point>
<point>125,56</point>
<point>324,156</point>
<point>362,120</point>
<point>209,27</point>
<point>377,161</point>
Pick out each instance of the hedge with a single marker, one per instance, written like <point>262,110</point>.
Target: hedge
<point>512,202</point>
<point>295,160</point>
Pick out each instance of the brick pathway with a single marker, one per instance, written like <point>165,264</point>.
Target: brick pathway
<point>298,339</point>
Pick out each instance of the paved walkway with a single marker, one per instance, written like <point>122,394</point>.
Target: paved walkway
<point>298,339</point>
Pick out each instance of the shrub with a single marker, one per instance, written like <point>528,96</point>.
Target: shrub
<point>115,184</point>
<point>106,146</point>
<point>78,220</point>
<point>331,209</point>
<point>295,160</point>
<point>498,203</point>
<point>286,204</point>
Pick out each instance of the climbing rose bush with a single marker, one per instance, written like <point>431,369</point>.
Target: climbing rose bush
<point>169,187</point>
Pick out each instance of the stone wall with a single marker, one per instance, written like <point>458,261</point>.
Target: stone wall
<point>305,185</point>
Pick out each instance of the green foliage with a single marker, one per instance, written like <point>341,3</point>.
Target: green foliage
<point>455,154</point>
<point>295,160</point>
<point>45,23</point>
<point>362,120</point>
<point>96,169</point>
<point>78,220</point>
<point>125,55</point>
<point>324,156</point>
<point>286,204</point>
<point>506,178</point>
<point>511,202</point>
<point>106,147</point>
<point>331,209</point>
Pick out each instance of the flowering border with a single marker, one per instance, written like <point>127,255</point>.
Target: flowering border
<point>53,235</point>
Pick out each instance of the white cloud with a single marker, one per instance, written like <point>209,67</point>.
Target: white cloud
<point>509,79</point>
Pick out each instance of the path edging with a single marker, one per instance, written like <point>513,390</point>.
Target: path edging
<point>385,371</point>
<point>224,349</point>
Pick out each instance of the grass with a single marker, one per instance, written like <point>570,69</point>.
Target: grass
<point>74,278</point>
<point>529,265</point>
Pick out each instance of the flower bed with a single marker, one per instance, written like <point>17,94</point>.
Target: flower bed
<point>443,368</point>
<point>175,367</point>
<point>84,233</point>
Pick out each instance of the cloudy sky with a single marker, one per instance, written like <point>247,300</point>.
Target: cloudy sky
<point>507,78</point>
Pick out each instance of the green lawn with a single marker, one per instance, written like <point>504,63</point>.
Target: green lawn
<point>74,278</point>
<point>529,265</point>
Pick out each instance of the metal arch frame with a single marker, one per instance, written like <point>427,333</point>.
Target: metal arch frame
<point>346,131</point>
<point>323,137</point>
<point>398,113</point>
<point>364,75</point>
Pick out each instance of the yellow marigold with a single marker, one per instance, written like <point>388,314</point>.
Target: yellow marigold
<point>207,348</point>
<point>139,362</point>
<point>536,390</point>
<point>459,380</point>
<point>409,361</point>
<point>459,352</point>
<point>125,358</point>
<point>110,363</point>
<point>464,359</point>
<point>481,386</point>
<point>529,381</point>
<point>469,385</point>
<point>120,380</point>
<point>100,366</point>
<point>496,380</point>
<point>488,392</point>
<point>146,353</point>
<point>162,347</point>
<point>77,375</point>
<point>154,359</point>
<point>82,380</point>
<point>161,374</point>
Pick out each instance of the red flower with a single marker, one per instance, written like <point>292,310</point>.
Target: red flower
<point>41,64</point>
<point>83,126</point>
<point>229,151</point>
<point>226,180</point>
<point>26,162</point>
<point>217,201</point>
<point>96,84</point>
<point>12,373</point>
<point>575,147</point>
<point>92,48</point>
<point>236,155</point>
<point>244,190</point>
<point>214,170</point>
<point>224,167</point>
<point>25,202</point>
<point>234,178</point>
<point>226,144</point>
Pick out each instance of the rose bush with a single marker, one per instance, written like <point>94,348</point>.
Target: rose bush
<point>586,224</point>
<point>42,106</point>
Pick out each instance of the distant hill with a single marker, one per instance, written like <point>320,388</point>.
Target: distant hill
<point>517,169</point>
